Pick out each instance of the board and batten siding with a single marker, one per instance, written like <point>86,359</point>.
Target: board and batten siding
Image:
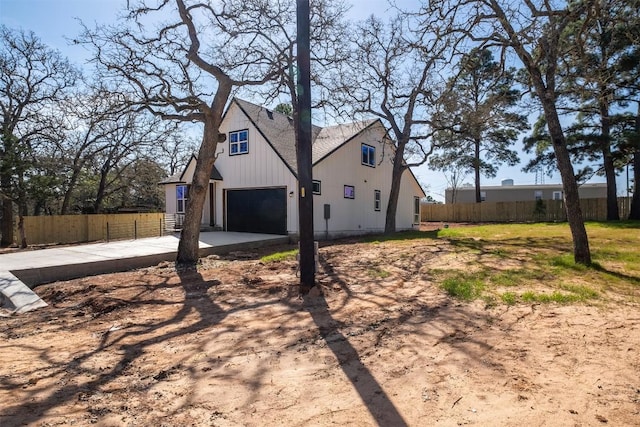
<point>261,167</point>
<point>408,193</point>
<point>171,204</point>
<point>344,167</point>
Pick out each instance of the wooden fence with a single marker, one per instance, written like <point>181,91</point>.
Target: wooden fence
<point>88,228</point>
<point>529,211</point>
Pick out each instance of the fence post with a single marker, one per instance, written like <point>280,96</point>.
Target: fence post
<point>107,231</point>
<point>135,229</point>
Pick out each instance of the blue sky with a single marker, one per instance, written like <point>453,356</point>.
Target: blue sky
<point>53,21</point>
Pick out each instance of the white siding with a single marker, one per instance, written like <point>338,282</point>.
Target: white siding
<point>170,202</point>
<point>260,168</point>
<point>356,216</point>
<point>408,191</point>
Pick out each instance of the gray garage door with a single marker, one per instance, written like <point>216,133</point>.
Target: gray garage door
<point>257,210</point>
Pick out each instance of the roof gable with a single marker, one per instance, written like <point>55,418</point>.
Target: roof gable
<point>276,128</point>
<point>279,132</point>
<point>331,138</point>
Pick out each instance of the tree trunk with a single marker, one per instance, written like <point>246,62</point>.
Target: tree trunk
<point>613,213</point>
<point>22,211</point>
<point>6,227</point>
<point>581,251</point>
<point>634,212</point>
<point>394,194</point>
<point>476,169</point>
<point>7,222</point>
<point>69,191</point>
<point>609,167</point>
<point>39,207</point>
<point>23,234</point>
<point>188,247</point>
<point>102,185</point>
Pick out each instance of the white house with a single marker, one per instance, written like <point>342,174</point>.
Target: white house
<point>253,186</point>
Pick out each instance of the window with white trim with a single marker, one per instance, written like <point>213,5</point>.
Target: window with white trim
<point>537,194</point>
<point>483,196</point>
<point>182,194</point>
<point>368,155</point>
<point>416,210</point>
<point>239,142</point>
<point>316,187</point>
<point>377,200</point>
<point>557,195</point>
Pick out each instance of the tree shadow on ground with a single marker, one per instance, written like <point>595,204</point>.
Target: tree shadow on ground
<point>130,342</point>
<point>370,390</point>
<point>374,310</point>
<point>633,279</point>
<point>396,315</point>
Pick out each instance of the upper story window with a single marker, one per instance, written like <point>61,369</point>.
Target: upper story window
<point>557,195</point>
<point>316,187</point>
<point>537,194</point>
<point>368,155</point>
<point>182,194</point>
<point>483,196</point>
<point>239,142</point>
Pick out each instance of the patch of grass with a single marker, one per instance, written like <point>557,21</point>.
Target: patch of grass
<point>543,269</point>
<point>577,294</point>
<point>279,256</point>
<point>509,298</point>
<point>582,292</point>
<point>518,277</point>
<point>466,287</point>
<point>618,225</point>
<point>557,297</point>
<point>378,273</point>
<point>566,261</point>
<point>507,278</point>
<point>501,232</point>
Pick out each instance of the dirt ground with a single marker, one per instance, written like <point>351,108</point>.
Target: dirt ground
<point>234,345</point>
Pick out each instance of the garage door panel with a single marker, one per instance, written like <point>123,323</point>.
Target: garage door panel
<point>257,210</point>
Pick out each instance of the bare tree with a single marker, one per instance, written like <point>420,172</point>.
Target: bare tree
<point>90,121</point>
<point>532,30</point>
<point>105,137</point>
<point>176,150</point>
<point>33,78</point>
<point>393,74</point>
<point>180,60</point>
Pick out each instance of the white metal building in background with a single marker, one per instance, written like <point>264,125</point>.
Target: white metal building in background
<point>508,192</point>
<point>253,185</point>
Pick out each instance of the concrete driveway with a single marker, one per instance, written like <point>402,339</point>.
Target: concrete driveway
<point>21,271</point>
